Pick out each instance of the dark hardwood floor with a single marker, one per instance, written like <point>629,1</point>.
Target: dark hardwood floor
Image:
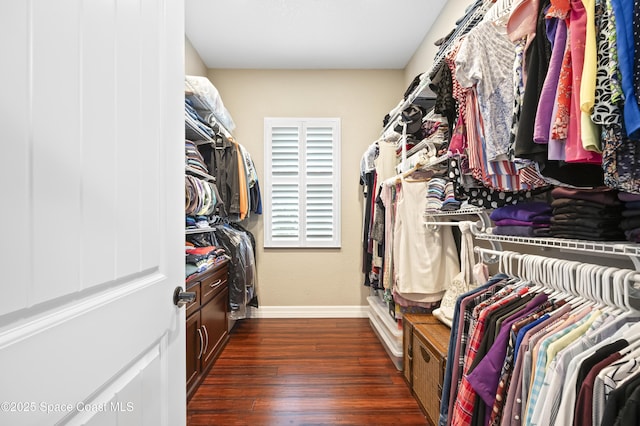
<point>304,372</point>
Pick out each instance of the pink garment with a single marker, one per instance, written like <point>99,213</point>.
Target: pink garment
<point>459,139</point>
<point>474,144</point>
<point>575,151</point>
<point>523,24</point>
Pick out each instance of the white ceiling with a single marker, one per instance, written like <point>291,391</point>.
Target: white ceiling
<point>308,34</point>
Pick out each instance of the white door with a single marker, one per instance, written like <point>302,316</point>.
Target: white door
<point>91,172</point>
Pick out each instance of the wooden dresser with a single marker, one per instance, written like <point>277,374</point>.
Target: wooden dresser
<point>207,322</point>
<point>425,346</point>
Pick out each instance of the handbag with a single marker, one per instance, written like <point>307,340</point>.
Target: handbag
<point>463,282</point>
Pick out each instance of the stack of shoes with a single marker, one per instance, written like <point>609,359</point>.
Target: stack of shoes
<point>586,214</point>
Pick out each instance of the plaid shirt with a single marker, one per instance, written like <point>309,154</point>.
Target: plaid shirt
<point>463,409</point>
<point>466,310</point>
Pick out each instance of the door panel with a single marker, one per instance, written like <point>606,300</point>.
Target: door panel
<point>151,97</point>
<point>93,170</point>
<point>55,147</point>
<point>98,108</point>
<point>15,162</point>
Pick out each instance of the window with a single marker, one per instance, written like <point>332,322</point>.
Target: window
<point>302,182</point>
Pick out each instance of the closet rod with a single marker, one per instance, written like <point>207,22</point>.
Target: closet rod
<point>520,256</point>
<point>469,223</point>
<point>601,284</point>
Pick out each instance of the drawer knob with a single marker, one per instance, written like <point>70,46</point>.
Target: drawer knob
<point>181,297</point>
<point>425,354</point>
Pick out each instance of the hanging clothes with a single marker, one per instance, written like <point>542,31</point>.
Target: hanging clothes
<point>242,274</point>
<point>425,259</point>
<point>519,355</point>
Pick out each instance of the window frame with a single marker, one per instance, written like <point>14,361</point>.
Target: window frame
<point>302,123</point>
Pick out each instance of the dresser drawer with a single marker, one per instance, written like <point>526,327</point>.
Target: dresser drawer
<point>192,307</point>
<point>214,283</point>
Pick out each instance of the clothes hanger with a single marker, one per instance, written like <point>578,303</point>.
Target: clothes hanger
<point>502,262</point>
<point>508,258</point>
<point>607,293</point>
<point>585,284</point>
<point>555,270</point>
<point>590,284</point>
<point>621,304</point>
<point>567,275</point>
<point>628,286</point>
<point>537,275</point>
<point>618,288</point>
<point>578,302</point>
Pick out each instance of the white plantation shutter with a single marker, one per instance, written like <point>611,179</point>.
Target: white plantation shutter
<point>302,182</point>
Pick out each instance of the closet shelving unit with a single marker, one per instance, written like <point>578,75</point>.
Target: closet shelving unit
<point>204,230</point>
<point>207,318</point>
<point>595,248</point>
<point>482,231</point>
<point>444,50</point>
<point>191,231</point>
<point>198,137</point>
<point>381,321</point>
<point>402,105</point>
<point>387,329</point>
<point>483,217</point>
<point>204,176</point>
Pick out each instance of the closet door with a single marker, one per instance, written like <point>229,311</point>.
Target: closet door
<point>91,180</point>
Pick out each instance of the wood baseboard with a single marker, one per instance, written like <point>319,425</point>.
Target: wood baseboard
<point>309,312</point>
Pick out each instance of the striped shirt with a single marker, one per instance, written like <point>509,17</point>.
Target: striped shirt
<point>466,397</point>
<point>541,364</point>
<point>607,380</point>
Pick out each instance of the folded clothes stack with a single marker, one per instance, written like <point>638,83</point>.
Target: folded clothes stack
<point>586,214</point>
<point>531,219</point>
<point>440,195</point>
<point>630,223</point>
<point>199,259</point>
<point>435,193</point>
<point>193,158</point>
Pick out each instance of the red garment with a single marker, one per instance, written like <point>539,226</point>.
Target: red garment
<point>201,250</point>
<point>463,409</point>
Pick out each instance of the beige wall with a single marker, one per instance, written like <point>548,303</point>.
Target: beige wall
<point>193,64</point>
<point>360,98</point>
<point>422,59</point>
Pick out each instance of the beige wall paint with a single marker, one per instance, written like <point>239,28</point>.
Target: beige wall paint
<point>422,59</point>
<point>361,98</point>
<point>193,64</point>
